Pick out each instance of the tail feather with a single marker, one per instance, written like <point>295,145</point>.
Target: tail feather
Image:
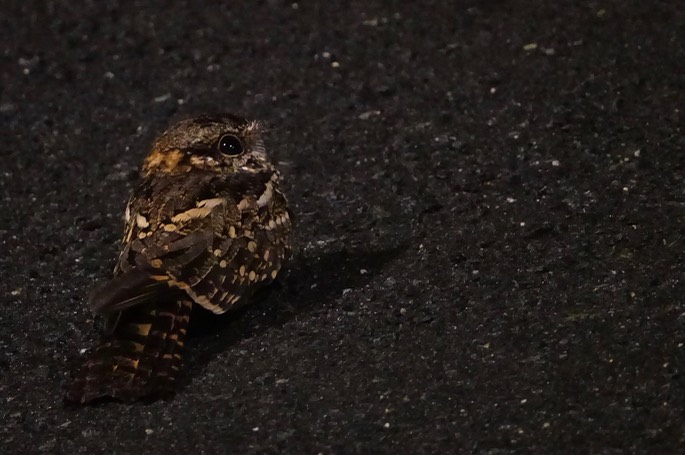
<point>139,359</point>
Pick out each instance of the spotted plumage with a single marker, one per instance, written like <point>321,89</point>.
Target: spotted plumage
<point>208,225</point>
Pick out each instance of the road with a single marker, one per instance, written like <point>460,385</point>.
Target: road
<point>489,205</point>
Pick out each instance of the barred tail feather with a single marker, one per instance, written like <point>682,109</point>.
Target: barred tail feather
<point>140,359</point>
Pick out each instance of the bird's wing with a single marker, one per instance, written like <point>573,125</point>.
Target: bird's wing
<point>132,288</point>
<point>246,252</point>
<point>215,249</point>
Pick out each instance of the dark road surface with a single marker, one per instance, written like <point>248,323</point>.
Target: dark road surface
<point>490,223</point>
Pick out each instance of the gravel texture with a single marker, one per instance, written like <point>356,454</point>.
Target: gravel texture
<point>489,203</point>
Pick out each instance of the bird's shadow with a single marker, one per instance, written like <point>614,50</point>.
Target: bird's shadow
<point>310,282</point>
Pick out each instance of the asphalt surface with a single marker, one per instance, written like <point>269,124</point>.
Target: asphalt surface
<point>489,203</point>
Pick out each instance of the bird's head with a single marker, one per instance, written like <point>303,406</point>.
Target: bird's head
<point>220,143</point>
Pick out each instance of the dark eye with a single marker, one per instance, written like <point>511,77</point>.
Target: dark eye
<point>230,145</point>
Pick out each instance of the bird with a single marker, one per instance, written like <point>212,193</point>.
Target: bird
<point>207,225</point>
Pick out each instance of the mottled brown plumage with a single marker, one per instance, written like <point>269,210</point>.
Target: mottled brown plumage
<point>208,225</point>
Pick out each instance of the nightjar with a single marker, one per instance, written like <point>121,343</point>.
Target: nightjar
<point>207,225</point>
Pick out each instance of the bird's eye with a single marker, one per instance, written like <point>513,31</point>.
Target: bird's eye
<point>230,145</point>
